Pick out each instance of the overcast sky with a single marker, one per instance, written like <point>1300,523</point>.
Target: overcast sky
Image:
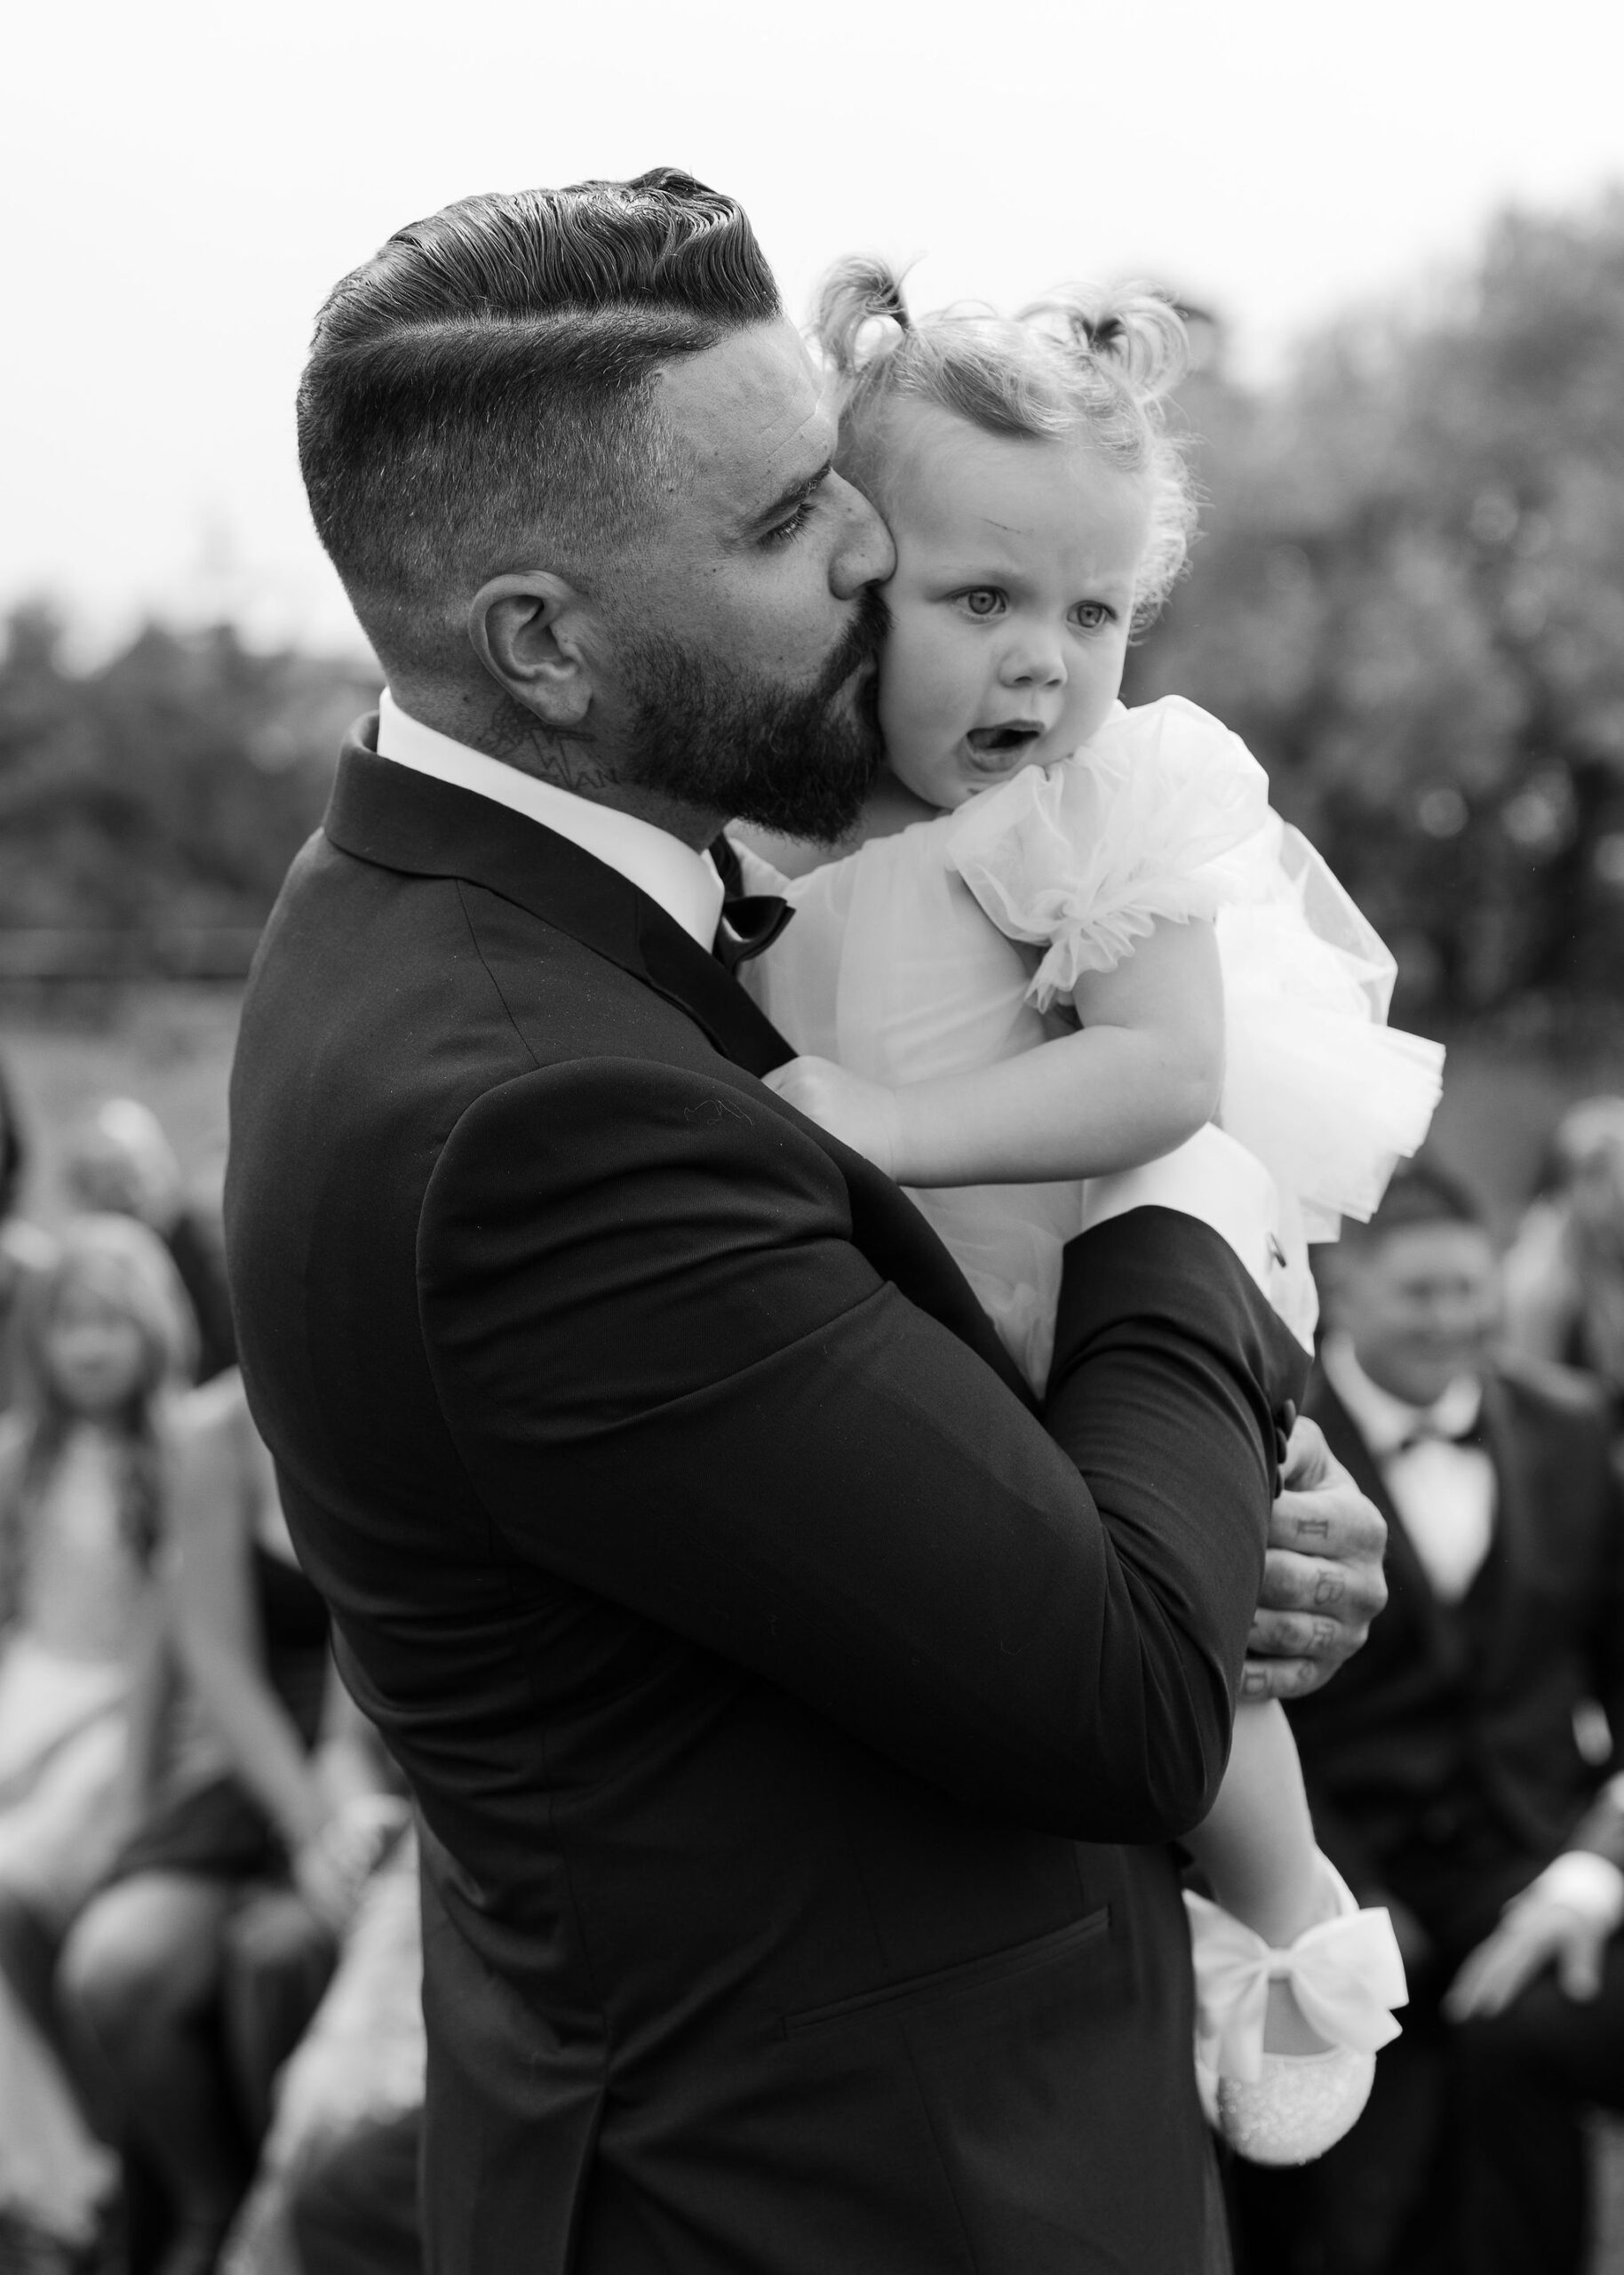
<point>184,180</point>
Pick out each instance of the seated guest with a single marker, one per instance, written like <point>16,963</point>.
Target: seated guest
<point>25,1251</point>
<point>338,2182</point>
<point>120,1159</point>
<point>268,1777</point>
<point>1446,1775</point>
<point>107,1336</point>
<point>1564,1275</point>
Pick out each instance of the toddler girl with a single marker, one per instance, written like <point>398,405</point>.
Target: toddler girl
<point>1069,937</point>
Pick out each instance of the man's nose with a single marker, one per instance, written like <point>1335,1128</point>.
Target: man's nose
<point>864,552</point>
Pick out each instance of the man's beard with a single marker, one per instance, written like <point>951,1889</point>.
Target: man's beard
<point>720,736</point>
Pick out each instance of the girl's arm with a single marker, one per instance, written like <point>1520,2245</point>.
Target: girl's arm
<point>217,1632</point>
<point>1143,1074</point>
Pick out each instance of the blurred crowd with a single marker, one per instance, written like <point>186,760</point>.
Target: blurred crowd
<point>210,2041</point>
<point>209,1971</point>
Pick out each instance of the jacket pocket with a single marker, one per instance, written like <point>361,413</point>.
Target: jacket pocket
<point>921,1992</point>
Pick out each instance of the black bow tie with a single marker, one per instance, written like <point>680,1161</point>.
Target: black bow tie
<point>750,921</point>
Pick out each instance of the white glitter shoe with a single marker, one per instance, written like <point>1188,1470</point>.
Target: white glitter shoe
<point>1300,2105</point>
<point>1345,1976</point>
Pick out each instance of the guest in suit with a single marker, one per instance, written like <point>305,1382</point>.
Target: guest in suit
<point>797,1727</point>
<point>1446,1776</point>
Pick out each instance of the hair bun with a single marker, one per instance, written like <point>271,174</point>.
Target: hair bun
<point>857,292</point>
<point>1132,329</point>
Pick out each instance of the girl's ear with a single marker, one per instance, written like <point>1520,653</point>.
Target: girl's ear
<point>526,626</point>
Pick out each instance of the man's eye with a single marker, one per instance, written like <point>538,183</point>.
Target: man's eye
<point>1093,615</point>
<point>782,532</point>
<point>982,600</point>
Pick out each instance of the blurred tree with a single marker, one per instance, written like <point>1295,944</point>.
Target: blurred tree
<point>1410,603</point>
<point>165,791</point>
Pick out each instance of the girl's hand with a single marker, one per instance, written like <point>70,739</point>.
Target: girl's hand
<point>862,1114</point>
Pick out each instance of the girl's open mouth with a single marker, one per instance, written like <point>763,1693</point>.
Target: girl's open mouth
<point>1005,741</point>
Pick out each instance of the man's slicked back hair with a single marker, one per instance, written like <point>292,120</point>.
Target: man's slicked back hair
<point>486,381</point>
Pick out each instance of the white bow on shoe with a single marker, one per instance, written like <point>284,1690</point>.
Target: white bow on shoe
<point>1346,1976</point>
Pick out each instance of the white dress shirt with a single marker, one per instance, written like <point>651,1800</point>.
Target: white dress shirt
<point>685,883</point>
<point>1444,1493</point>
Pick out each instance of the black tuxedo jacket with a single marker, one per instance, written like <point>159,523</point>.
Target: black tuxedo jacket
<point>759,1662</point>
<point>1442,1764</point>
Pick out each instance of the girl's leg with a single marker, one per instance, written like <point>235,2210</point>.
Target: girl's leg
<point>141,1975</point>
<point>1258,1851</point>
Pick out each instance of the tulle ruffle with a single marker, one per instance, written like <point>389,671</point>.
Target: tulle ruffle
<point>1162,818</point>
<point>1140,827</point>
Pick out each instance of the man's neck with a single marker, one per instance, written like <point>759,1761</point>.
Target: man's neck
<point>486,720</point>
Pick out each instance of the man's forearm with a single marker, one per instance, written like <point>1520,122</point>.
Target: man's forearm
<point>846,1499</point>
<point>1170,1375</point>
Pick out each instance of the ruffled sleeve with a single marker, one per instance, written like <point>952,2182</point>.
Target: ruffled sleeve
<point>1140,826</point>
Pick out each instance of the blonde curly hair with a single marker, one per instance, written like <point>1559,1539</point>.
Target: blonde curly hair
<point>1082,362</point>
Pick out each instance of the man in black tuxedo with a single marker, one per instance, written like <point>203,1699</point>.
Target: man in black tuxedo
<point>1446,1776</point>
<point>797,1725</point>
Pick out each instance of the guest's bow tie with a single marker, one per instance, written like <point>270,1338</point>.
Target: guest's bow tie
<point>750,921</point>
<point>1423,1432</point>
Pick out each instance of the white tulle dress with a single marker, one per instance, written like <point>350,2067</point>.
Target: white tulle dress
<point>959,942</point>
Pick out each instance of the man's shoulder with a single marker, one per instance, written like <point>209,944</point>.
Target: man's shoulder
<point>401,955</point>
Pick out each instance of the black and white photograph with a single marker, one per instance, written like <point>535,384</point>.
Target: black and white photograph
<point>812,1140</point>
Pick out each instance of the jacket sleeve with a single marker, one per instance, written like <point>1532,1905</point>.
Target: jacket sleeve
<point>675,1381</point>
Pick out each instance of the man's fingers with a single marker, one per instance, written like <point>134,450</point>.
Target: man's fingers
<point>1301,1635</point>
<point>1474,1991</point>
<point>1493,1975</point>
<point>1526,1942</point>
<point>1280,1677</point>
<point>1335,1519</point>
<point>1309,1460</point>
<point>1579,1967</point>
<point>1322,1575</point>
<point>1294,1583</point>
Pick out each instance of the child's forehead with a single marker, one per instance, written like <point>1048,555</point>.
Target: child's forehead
<point>946,476</point>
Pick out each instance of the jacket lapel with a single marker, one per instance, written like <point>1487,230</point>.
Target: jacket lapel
<point>400,819</point>
<point>1410,1590</point>
<point>1499,1586</point>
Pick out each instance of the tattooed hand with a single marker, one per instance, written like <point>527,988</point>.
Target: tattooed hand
<point>1322,1579</point>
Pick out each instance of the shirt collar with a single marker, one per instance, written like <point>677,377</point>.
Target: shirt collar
<point>684,883</point>
<point>1385,1423</point>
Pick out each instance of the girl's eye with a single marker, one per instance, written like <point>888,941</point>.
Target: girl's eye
<point>1092,615</point>
<point>981,601</point>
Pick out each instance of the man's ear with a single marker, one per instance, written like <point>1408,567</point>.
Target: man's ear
<point>526,628</point>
